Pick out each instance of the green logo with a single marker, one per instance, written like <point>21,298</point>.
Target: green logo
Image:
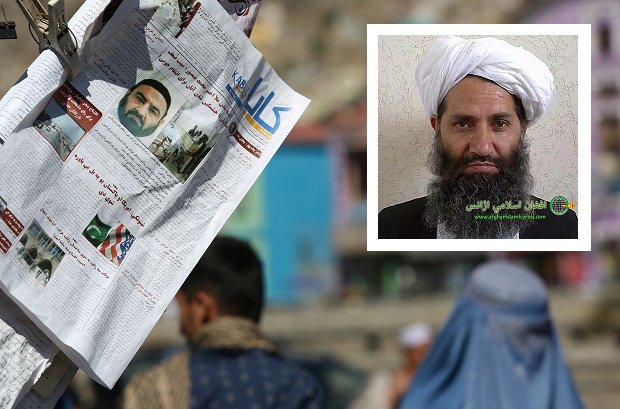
<point>559,205</point>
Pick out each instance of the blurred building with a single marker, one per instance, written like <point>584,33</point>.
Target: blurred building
<point>604,17</point>
<point>603,270</point>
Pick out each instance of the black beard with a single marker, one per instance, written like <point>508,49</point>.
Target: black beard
<point>136,129</point>
<point>451,191</point>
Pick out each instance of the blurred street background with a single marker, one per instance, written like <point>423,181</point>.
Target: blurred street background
<point>332,304</point>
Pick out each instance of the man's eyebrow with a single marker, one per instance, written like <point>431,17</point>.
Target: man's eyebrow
<point>466,117</point>
<point>461,117</point>
<point>141,95</point>
<point>501,115</point>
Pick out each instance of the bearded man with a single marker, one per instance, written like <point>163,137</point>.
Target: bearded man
<point>144,107</point>
<point>481,96</point>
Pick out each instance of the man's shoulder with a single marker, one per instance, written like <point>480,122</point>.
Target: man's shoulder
<point>276,381</point>
<point>284,366</point>
<point>297,382</point>
<point>416,205</point>
<point>550,225</point>
<point>405,221</point>
<point>162,386</point>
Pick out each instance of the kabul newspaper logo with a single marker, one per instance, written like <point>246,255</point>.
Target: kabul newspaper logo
<point>254,106</point>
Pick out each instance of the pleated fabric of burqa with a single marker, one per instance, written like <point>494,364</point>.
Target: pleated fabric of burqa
<point>498,350</point>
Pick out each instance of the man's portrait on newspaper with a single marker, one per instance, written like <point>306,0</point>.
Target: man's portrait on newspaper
<point>144,107</point>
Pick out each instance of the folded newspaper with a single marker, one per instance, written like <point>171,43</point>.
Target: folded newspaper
<point>114,184</point>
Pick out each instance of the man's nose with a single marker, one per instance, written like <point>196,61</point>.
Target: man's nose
<point>143,109</point>
<point>482,142</point>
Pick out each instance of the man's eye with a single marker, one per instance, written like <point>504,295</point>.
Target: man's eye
<point>501,124</point>
<point>462,124</point>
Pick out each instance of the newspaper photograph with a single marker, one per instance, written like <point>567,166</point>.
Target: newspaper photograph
<point>113,184</point>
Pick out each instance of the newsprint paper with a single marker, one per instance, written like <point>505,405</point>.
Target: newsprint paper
<point>113,185</point>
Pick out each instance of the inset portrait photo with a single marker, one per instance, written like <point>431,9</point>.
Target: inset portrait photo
<point>148,106</point>
<point>475,134</point>
<point>38,253</point>
<point>109,236</point>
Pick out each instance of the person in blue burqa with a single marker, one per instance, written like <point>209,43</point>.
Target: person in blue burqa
<point>498,350</point>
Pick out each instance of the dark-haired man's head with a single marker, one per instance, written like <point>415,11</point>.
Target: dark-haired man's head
<point>227,281</point>
<point>479,153</point>
<point>143,109</point>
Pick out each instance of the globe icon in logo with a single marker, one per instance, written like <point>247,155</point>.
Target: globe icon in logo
<point>558,205</point>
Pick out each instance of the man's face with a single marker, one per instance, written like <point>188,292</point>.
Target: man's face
<point>479,153</point>
<point>479,126</point>
<point>142,110</point>
<point>189,315</point>
<point>415,355</point>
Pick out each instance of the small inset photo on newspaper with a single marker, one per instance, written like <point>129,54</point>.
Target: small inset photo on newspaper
<point>38,253</point>
<point>65,119</point>
<point>57,126</point>
<point>176,15</point>
<point>146,107</point>
<point>109,236</point>
<point>184,143</point>
<point>2,205</point>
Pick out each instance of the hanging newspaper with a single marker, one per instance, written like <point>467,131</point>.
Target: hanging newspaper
<point>113,185</point>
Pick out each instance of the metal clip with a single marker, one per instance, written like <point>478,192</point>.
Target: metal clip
<point>51,31</point>
<point>61,39</point>
<point>7,27</point>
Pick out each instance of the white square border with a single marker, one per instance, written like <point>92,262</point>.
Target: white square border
<point>584,151</point>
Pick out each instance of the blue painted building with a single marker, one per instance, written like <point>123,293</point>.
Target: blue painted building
<point>287,216</point>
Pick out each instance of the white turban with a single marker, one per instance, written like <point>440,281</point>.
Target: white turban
<point>450,59</point>
<point>414,335</point>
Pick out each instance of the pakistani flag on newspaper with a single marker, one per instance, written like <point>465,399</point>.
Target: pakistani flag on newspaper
<point>117,244</point>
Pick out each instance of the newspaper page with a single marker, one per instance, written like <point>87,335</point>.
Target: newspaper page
<point>51,384</point>
<point>114,184</point>
<point>244,12</point>
<point>30,89</point>
<point>26,353</point>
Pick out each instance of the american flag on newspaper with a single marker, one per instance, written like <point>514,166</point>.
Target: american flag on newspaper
<point>117,244</point>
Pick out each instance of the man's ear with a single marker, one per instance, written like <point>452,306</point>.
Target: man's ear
<point>206,306</point>
<point>434,122</point>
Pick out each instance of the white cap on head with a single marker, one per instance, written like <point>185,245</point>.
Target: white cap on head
<point>414,335</point>
<point>450,59</point>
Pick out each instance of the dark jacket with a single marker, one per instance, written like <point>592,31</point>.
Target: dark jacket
<point>231,365</point>
<point>404,221</point>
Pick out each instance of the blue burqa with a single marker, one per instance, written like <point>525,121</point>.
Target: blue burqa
<point>498,350</point>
